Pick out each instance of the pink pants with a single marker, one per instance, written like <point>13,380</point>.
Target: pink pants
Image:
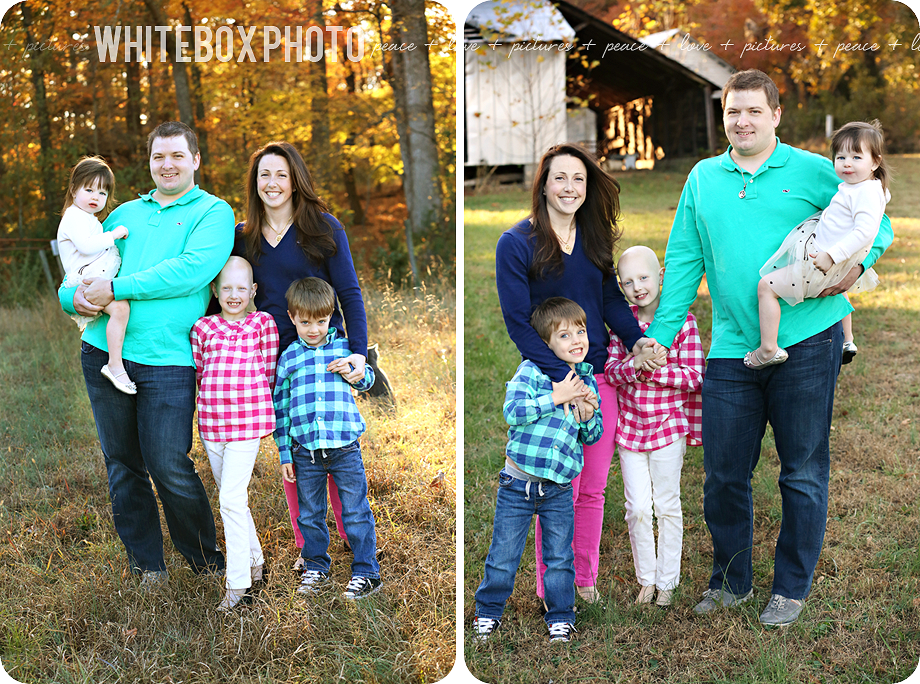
<point>588,493</point>
<point>290,493</point>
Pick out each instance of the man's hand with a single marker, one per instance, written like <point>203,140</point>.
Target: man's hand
<point>844,284</point>
<point>351,368</point>
<point>659,353</point>
<point>822,261</point>
<point>99,292</point>
<point>80,303</point>
<point>287,472</point>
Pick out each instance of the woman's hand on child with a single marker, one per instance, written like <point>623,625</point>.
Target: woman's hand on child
<point>568,390</point>
<point>822,261</point>
<point>351,368</point>
<point>287,472</point>
<point>120,233</point>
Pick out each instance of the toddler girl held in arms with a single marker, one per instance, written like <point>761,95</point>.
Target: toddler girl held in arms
<point>824,248</point>
<point>87,251</point>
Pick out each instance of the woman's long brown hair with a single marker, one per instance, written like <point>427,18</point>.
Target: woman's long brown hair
<point>314,232</point>
<point>596,218</point>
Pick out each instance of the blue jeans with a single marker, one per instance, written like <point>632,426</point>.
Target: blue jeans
<point>148,436</point>
<point>311,468</point>
<point>797,398</point>
<point>514,509</point>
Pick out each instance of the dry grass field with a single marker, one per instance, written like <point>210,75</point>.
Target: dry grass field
<point>862,620</point>
<point>69,610</point>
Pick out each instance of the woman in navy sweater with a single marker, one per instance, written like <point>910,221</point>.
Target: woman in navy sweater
<point>565,249</point>
<point>288,235</point>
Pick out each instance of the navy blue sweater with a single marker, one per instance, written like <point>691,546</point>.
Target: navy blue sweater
<point>279,266</point>
<point>582,282</point>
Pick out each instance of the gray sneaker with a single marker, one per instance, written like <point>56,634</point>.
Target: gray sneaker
<point>713,599</point>
<point>151,580</point>
<point>781,611</point>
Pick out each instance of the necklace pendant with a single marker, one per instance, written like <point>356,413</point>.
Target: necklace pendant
<point>741,195</point>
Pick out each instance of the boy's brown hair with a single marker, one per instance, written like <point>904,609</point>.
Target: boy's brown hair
<point>310,297</point>
<point>92,171</point>
<point>554,312</point>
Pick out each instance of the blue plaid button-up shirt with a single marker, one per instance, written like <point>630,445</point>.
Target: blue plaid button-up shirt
<point>542,440</point>
<point>314,407</point>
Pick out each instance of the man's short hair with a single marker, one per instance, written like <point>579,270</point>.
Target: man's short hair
<point>752,79</point>
<point>172,129</point>
<point>554,312</point>
<point>310,297</point>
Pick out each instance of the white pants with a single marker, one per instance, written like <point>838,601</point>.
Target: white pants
<point>653,478</point>
<point>232,463</point>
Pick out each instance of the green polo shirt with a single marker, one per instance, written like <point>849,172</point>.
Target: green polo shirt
<point>729,238</point>
<point>169,258</point>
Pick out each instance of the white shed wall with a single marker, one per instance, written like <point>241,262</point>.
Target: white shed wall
<point>515,106</point>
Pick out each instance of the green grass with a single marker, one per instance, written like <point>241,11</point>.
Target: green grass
<point>71,612</point>
<point>862,620</point>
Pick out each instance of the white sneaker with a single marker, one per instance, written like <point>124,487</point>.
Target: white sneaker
<point>312,582</point>
<point>561,631</point>
<point>484,626</point>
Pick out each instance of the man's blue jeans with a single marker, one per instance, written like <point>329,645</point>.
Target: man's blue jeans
<point>797,398</point>
<point>311,468</point>
<point>514,508</point>
<point>149,435</point>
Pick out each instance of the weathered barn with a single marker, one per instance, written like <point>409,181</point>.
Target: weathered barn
<point>628,99</point>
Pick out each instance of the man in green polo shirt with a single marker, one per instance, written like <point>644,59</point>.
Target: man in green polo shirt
<point>180,238</point>
<point>734,212</point>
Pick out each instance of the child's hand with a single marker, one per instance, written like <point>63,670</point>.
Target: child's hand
<point>120,232</point>
<point>351,368</point>
<point>645,353</point>
<point>584,407</point>
<point>658,360</point>
<point>822,261</point>
<point>287,472</point>
<point>569,389</point>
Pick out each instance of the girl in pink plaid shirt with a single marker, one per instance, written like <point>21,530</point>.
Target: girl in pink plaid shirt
<point>660,414</point>
<point>235,354</point>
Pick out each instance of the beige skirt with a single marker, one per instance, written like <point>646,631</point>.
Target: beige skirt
<point>792,275</point>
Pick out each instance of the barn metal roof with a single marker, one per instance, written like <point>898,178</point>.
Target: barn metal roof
<point>629,70</point>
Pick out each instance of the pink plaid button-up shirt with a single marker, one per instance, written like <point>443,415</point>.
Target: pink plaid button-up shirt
<point>235,366</point>
<point>660,407</point>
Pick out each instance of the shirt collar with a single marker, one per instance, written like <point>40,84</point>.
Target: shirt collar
<point>779,157</point>
<point>188,197</point>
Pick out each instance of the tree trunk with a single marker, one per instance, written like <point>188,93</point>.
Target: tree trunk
<point>133,109</point>
<point>180,75</point>
<point>323,167</point>
<point>199,109</point>
<point>44,126</point>
<point>414,104</point>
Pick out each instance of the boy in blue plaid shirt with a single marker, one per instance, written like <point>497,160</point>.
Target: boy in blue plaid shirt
<point>317,431</point>
<point>543,456</point>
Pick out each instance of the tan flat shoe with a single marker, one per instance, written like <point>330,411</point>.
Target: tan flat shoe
<point>646,594</point>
